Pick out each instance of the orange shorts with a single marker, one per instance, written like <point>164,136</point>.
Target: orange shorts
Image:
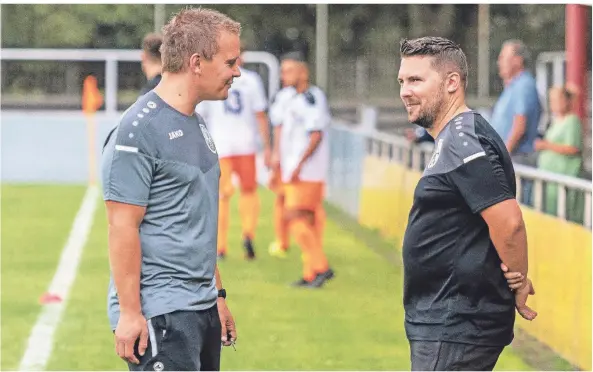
<point>303,195</point>
<point>244,167</point>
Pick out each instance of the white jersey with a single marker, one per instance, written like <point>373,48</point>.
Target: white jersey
<point>232,122</point>
<point>278,106</point>
<point>299,115</point>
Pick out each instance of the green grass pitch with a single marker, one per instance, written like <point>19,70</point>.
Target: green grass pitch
<point>354,323</point>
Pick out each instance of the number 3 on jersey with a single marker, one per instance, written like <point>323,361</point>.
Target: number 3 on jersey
<point>233,104</point>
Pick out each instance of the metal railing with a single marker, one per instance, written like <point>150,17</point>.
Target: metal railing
<point>565,183</point>
<point>111,58</point>
<point>395,148</point>
<point>546,60</point>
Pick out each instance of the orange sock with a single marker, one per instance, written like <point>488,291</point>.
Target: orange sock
<point>223,224</point>
<point>308,270</point>
<point>320,222</point>
<point>318,258</point>
<point>280,223</point>
<point>305,236</point>
<point>249,211</point>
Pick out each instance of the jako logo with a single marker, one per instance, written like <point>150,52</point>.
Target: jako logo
<point>176,134</point>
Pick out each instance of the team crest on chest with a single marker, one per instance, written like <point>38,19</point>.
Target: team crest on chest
<point>435,154</point>
<point>208,138</point>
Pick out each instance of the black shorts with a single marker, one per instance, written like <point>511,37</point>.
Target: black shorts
<point>451,356</point>
<point>182,341</point>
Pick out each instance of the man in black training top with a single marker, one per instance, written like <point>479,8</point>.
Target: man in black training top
<point>464,225</point>
<point>151,61</point>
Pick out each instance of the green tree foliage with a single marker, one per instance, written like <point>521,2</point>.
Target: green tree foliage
<point>355,30</point>
<point>75,26</point>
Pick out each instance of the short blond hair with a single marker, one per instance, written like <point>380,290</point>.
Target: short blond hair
<point>193,30</point>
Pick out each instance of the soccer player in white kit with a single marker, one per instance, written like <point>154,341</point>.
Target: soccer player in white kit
<point>303,118</point>
<point>280,245</point>
<point>234,125</point>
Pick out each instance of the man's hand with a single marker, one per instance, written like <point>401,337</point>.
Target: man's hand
<point>410,134</point>
<point>521,295</point>
<point>275,160</point>
<point>540,144</point>
<point>523,288</point>
<point>518,130</point>
<point>227,323</point>
<point>268,158</point>
<point>515,279</point>
<point>294,177</point>
<point>129,327</point>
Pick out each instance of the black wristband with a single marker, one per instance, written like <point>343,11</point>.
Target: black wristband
<point>222,293</point>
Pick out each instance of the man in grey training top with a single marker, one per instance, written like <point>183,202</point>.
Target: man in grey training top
<point>160,171</point>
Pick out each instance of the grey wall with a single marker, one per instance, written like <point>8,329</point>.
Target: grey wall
<point>49,147</point>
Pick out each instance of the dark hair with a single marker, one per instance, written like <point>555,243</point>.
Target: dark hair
<point>444,51</point>
<point>152,45</point>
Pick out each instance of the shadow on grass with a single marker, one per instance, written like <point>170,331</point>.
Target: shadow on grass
<point>536,354</point>
<point>371,237</point>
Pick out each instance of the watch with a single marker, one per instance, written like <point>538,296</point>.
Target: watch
<point>222,293</point>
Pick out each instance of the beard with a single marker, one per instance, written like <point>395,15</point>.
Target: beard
<point>428,115</point>
<point>425,119</point>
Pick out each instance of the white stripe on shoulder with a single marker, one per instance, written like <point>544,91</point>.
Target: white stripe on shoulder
<point>126,148</point>
<point>474,156</point>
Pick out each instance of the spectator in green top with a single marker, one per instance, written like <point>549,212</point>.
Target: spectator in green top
<point>560,151</point>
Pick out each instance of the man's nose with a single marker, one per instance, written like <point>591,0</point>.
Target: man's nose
<point>404,91</point>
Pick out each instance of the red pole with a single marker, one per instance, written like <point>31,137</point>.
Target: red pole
<point>576,69</point>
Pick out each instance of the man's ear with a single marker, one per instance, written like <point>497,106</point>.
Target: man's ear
<point>195,64</point>
<point>453,82</point>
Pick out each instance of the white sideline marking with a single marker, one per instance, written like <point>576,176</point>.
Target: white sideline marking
<point>40,342</point>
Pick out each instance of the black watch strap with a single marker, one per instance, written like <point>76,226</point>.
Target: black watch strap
<point>222,293</point>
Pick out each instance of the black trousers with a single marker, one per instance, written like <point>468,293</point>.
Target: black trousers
<point>182,341</point>
<point>451,356</point>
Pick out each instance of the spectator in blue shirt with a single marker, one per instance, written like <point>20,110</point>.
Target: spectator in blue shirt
<point>517,112</point>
